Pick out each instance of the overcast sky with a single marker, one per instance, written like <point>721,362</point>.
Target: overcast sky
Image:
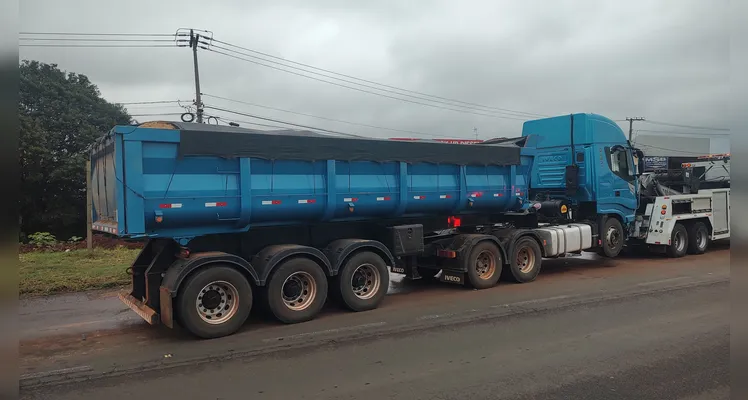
<point>663,60</point>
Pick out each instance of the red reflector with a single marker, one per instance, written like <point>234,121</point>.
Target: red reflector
<point>221,204</point>
<point>387,198</point>
<point>164,206</point>
<point>275,202</point>
<point>477,194</point>
<point>454,222</point>
<point>446,253</point>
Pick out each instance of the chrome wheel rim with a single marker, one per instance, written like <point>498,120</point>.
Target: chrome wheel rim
<point>612,237</point>
<point>701,239</point>
<point>525,260</point>
<point>679,242</point>
<point>366,281</point>
<point>299,291</point>
<point>217,302</point>
<point>485,265</point>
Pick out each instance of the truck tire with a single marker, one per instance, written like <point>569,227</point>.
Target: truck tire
<point>362,282</point>
<point>483,265</point>
<point>214,302</point>
<point>296,291</point>
<point>678,241</point>
<point>525,260</point>
<point>612,238</point>
<point>698,238</point>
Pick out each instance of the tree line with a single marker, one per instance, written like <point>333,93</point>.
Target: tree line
<point>60,115</point>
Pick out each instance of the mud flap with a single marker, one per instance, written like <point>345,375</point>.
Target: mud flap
<point>453,277</point>
<point>167,313</point>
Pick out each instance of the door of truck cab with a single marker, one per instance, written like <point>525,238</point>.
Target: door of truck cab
<point>617,183</point>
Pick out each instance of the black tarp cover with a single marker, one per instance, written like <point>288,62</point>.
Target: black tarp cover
<point>230,142</point>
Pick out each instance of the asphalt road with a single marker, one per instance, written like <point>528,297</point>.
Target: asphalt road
<point>634,329</point>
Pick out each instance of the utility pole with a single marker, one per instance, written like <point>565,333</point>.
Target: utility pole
<point>475,130</point>
<point>631,124</point>
<point>194,41</point>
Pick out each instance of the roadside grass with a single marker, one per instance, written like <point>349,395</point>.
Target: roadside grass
<point>44,272</point>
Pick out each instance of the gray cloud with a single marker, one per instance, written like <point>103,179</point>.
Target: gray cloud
<point>666,60</point>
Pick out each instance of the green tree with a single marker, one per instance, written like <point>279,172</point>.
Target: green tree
<point>60,115</point>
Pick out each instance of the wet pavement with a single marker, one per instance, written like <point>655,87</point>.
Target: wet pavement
<point>618,326</point>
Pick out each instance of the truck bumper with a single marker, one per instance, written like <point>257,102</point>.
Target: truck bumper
<point>145,312</point>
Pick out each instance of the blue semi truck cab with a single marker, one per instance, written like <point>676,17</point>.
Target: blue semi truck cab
<point>234,216</point>
<point>586,160</point>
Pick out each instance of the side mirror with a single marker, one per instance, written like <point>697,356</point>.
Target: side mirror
<point>640,160</point>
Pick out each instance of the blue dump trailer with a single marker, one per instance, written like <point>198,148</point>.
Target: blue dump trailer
<point>236,218</point>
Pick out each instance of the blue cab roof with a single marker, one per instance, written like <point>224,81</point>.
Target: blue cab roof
<point>588,129</point>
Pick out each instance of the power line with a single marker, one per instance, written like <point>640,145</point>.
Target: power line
<point>326,118</point>
<point>149,102</point>
<point>95,34</point>
<point>110,46</point>
<point>376,83</point>
<point>282,122</point>
<point>673,150</point>
<point>683,133</point>
<point>685,126</point>
<point>238,121</point>
<point>95,40</point>
<point>155,114</point>
<point>524,117</point>
<point>358,89</point>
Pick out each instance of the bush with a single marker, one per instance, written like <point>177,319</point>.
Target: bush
<point>41,239</point>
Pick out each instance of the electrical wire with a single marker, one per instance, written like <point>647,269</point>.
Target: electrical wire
<point>148,102</point>
<point>326,118</point>
<point>684,133</point>
<point>94,34</point>
<point>238,121</point>
<point>155,114</point>
<point>357,89</point>
<point>683,126</point>
<point>282,122</point>
<point>96,40</point>
<point>375,83</point>
<point>110,46</point>
<point>673,150</point>
<point>524,117</point>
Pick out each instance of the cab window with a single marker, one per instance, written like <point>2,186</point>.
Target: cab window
<point>620,163</point>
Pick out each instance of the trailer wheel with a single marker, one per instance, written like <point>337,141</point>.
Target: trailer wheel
<point>484,265</point>
<point>698,238</point>
<point>612,238</point>
<point>678,241</point>
<point>214,302</point>
<point>363,281</point>
<point>525,261</point>
<point>296,291</point>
